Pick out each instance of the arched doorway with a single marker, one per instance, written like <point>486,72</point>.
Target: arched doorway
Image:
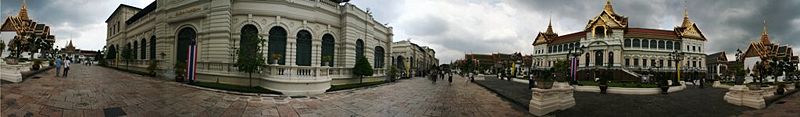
<point>143,49</point>
<point>186,36</point>
<point>598,58</point>
<point>328,44</point>
<point>248,42</point>
<point>277,45</point>
<point>303,50</point>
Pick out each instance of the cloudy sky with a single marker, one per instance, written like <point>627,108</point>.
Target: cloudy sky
<point>455,27</point>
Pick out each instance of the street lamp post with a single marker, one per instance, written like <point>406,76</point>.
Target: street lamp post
<point>677,56</point>
<point>574,66</point>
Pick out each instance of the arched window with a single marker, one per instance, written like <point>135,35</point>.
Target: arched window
<point>627,42</point>
<point>610,58</point>
<point>359,48</point>
<point>328,49</point>
<point>653,44</point>
<point>400,63</point>
<point>636,43</point>
<point>678,45</point>
<point>153,48</point>
<point>599,32</point>
<point>303,50</point>
<point>379,53</point>
<point>645,43</point>
<point>669,45</point>
<point>185,37</point>
<point>135,49</point>
<point>143,49</point>
<point>248,41</point>
<point>661,44</point>
<point>277,45</point>
<point>587,59</point>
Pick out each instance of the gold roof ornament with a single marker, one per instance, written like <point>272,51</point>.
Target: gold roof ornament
<point>550,27</point>
<point>765,34</point>
<point>23,12</point>
<point>608,7</point>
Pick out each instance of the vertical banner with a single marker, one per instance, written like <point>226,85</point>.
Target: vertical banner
<point>191,62</point>
<point>574,68</point>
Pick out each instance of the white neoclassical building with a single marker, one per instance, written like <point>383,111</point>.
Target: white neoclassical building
<point>412,59</point>
<point>629,52</point>
<point>309,44</point>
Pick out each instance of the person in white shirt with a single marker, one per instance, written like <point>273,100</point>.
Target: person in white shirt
<point>67,63</point>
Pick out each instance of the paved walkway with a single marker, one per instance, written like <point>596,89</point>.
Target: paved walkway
<point>693,101</point>
<point>98,91</point>
<point>789,106</point>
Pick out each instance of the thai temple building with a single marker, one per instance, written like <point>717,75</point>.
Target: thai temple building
<point>628,53</point>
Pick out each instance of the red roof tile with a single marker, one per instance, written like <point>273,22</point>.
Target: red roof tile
<point>568,38</point>
<point>651,33</point>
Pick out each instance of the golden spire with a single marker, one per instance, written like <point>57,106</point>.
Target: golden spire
<point>686,22</point>
<point>23,11</point>
<point>550,26</point>
<point>764,34</point>
<point>608,7</point>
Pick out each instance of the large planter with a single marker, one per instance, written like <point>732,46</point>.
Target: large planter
<point>544,84</point>
<point>603,89</point>
<point>739,80</point>
<point>753,86</point>
<point>544,101</point>
<point>664,89</point>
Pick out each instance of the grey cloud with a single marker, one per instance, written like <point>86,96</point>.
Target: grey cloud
<point>425,26</point>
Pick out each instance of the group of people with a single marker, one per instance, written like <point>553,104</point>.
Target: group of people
<point>441,75</point>
<point>65,63</point>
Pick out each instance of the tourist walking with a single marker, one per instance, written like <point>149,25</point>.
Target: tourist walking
<point>450,78</point>
<point>58,63</point>
<point>67,63</point>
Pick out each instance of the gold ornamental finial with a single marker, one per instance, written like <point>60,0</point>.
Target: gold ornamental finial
<point>23,11</point>
<point>764,34</point>
<point>550,26</point>
<point>608,7</point>
<point>685,9</point>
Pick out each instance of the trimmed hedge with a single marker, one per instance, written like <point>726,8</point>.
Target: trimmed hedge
<point>351,86</point>
<point>237,88</point>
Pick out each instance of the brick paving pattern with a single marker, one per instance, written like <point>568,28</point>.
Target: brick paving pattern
<point>97,91</point>
<point>788,106</point>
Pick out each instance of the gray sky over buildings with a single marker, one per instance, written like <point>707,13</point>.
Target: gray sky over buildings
<point>456,27</point>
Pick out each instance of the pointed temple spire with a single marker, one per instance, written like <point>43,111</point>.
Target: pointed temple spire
<point>550,26</point>
<point>608,7</point>
<point>764,34</point>
<point>686,21</point>
<point>23,11</point>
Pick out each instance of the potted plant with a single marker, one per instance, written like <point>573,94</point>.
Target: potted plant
<point>326,60</point>
<point>180,71</point>
<point>545,82</point>
<point>663,85</point>
<point>275,57</point>
<point>37,64</point>
<point>780,90</point>
<point>152,67</point>
<point>603,83</point>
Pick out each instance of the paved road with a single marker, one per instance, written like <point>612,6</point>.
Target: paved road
<point>98,91</point>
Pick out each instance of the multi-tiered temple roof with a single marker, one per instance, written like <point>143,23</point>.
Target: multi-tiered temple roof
<point>611,20</point>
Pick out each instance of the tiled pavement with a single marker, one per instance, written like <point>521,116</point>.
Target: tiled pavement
<point>98,91</point>
<point>789,106</point>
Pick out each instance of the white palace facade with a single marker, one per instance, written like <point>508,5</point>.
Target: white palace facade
<point>309,44</point>
<point>630,52</point>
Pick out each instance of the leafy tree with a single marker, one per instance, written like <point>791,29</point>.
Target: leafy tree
<point>2,47</point>
<point>127,55</point>
<point>362,68</point>
<point>250,59</point>
<point>561,68</point>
